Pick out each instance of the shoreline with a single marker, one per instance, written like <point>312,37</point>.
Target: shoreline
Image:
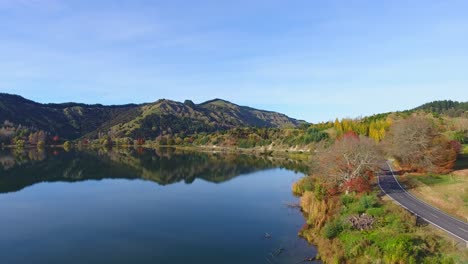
<point>261,151</point>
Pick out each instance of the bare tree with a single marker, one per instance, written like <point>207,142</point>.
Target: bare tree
<point>351,159</point>
<point>417,143</point>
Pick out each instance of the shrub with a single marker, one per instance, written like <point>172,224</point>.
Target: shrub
<point>319,191</point>
<point>399,248</point>
<point>354,243</point>
<point>375,211</point>
<point>368,201</point>
<point>347,199</point>
<point>303,185</point>
<point>333,229</point>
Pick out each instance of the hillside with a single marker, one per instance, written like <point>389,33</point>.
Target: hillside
<point>170,117</point>
<point>74,120</point>
<point>69,120</point>
<point>441,107</point>
<point>447,107</point>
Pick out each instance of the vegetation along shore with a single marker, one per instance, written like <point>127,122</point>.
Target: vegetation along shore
<point>347,216</point>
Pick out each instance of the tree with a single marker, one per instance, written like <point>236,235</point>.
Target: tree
<point>41,136</point>
<point>67,146</point>
<point>40,144</point>
<point>378,129</point>
<point>350,161</point>
<point>338,127</point>
<point>32,138</point>
<point>418,144</point>
<point>19,143</point>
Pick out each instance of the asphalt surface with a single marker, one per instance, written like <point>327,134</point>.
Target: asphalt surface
<point>390,185</point>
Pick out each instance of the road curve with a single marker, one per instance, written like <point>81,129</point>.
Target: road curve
<point>390,186</point>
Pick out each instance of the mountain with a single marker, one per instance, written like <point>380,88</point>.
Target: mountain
<point>170,117</point>
<point>75,120</point>
<point>69,120</point>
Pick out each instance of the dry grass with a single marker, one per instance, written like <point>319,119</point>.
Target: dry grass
<point>447,192</point>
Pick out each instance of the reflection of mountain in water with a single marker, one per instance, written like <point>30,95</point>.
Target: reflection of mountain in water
<point>19,170</point>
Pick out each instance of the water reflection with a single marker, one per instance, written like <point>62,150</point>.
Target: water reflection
<point>22,168</point>
<point>137,213</point>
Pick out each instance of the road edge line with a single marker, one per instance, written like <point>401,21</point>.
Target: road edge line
<point>401,205</point>
<point>393,174</point>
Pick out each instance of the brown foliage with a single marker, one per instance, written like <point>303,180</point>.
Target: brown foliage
<point>318,211</point>
<point>417,143</point>
<point>349,163</point>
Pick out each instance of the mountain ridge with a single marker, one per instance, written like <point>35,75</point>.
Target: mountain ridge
<point>147,120</point>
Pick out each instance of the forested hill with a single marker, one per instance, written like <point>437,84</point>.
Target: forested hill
<point>74,120</point>
<point>448,107</point>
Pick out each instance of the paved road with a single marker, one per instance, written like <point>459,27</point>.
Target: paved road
<point>389,184</point>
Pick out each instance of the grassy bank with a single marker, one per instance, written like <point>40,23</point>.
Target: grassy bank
<point>365,228</point>
<point>446,192</point>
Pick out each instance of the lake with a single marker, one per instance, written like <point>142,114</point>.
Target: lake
<point>148,206</point>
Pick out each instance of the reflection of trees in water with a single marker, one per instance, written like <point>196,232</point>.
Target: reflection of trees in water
<point>7,162</point>
<point>36,154</point>
<point>169,165</point>
<point>163,166</point>
<point>12,157</point>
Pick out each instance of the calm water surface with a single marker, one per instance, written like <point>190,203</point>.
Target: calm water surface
<point>142,206</point>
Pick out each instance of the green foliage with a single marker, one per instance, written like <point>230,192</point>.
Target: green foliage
<point>347,199</point>
<point>392,240</point>
<point>251,137</point>
<point>68,120</point>
<point>147,121</point>
<point>354,244</point>
<point>368,201</point>
<point>435,179</point>
<point>333,229</point>
<point>319,191</point>
<point>314,135</point>
<point>245,143</point>
<point>375,211</point>
<point>353,205</point>
<point>20,143</point>
<point>303,185</point>
<point>447,107</point>
<point>460,136</point>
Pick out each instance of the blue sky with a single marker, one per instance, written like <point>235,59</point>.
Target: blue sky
<point>314,60</point>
